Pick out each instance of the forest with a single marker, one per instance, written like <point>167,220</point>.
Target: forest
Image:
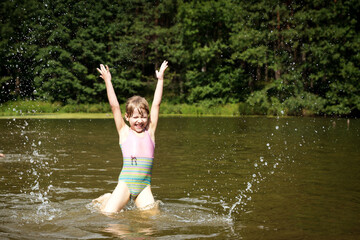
<point>269,57</point>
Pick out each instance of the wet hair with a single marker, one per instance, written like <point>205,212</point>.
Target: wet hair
<point>139,103</point>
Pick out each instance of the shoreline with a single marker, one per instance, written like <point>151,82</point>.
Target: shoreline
<point>47,110</point>
<point>110,116</point>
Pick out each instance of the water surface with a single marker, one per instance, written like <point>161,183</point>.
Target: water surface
<point>217,178</point>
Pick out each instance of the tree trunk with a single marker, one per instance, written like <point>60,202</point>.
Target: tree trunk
<point>17,86</point>
<point>258,73</point>
<point>266,69</point>
<point>277,71</point>
<point>277,74</point>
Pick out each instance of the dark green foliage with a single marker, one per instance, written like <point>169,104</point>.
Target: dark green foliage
<point>278,58</point>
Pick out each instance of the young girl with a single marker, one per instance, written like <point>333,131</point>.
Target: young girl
<point>137,143</point>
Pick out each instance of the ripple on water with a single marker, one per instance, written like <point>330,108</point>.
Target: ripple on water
<point>186,214</point>
<point>177,220</point>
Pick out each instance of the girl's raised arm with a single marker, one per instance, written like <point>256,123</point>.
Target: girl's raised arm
<point>114,104</point>
<point>155,108</point>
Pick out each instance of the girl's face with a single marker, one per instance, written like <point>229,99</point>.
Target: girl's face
<point>138,122</point>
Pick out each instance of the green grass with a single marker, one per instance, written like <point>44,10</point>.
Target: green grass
<point>28,107</point>
<point>62,116</point>
<point>200,110</point>
<point>20,108</point>
<point>40,109</point>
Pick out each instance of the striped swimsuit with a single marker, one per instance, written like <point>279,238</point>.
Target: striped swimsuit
<point>138,155</point>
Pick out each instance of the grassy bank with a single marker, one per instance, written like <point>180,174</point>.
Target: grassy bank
<point>102,110</point>
<point>29,108</point>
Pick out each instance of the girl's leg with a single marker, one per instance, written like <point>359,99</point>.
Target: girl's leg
<point>145,198</point>
<point>118,199</point>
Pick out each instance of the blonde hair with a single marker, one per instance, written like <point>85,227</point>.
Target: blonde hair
<point>139,103</point>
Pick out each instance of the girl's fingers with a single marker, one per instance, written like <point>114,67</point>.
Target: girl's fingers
<point>164,65</point>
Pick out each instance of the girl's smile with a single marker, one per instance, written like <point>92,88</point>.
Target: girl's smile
<point>138,121</point>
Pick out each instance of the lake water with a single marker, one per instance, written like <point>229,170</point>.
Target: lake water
<point>217,178</point>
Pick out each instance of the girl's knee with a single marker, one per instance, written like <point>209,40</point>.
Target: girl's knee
<point>102,198</point>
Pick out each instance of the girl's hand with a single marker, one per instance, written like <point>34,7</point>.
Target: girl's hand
<point>104,72</point>
<point>160,73</point>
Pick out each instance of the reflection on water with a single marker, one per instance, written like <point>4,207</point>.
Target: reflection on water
<point>217,178</point>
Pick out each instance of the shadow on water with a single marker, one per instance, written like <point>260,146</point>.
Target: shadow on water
<point>275,178</point>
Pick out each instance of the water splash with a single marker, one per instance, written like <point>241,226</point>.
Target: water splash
<point>262,169</point>
<point>244,197</point>
<point>36,171</point>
